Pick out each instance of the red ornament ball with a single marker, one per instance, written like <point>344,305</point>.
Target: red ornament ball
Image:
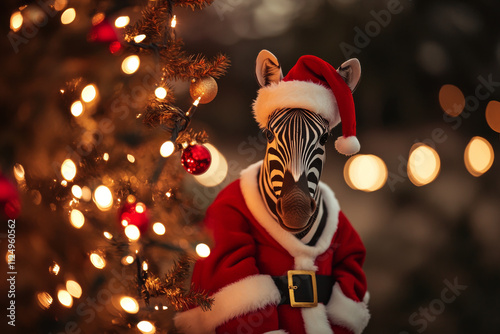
<point>196,159</point>
<point>136,214</point>
<point>10,206</point>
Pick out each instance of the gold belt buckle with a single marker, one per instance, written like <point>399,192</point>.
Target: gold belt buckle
<point>292,288</point>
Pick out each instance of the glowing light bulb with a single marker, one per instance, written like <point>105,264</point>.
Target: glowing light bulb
<point>132,232</point>
<point>77,218</point>
<point>139,38</point>
<point>97,260</point>
<point>140,207</point>
<point>68,169</point>
<point>19,172</point>
<point>161,93</point>
<point>54,269</point>
<point>131,64</point>
<point>129,305</point>
<point>65,298</point>
<point>16,21</point>
<point>478,156</point>
<point>202,250</point>
<point>89,93</point>
<point>122,21</point>
<point>159,228</point>
<point>103,198</point>
<point>145,266</point>
<point>146,327</point>
<point>76,191</point>
<point>68,16</point>
<point>128,259</point>
<point>130,158</point>
<point>105,157</point>
<point>423,165</point>
<point>74,288</point>
<point>173,23</point>
<point>76,108</point>
<point>167,148</point>
<point>365,172</point>
<point>44,299</point>
<point>108,235</point>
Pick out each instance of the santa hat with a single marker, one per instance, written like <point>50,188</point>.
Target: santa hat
<point>315,85</point>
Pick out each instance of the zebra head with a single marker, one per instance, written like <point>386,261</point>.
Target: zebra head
<point>295,152</point>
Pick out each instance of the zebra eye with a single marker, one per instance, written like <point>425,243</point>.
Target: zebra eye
<point>323,139</point>
<point>269,136</point>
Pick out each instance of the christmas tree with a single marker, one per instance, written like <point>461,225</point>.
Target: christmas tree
<point>102,233</point>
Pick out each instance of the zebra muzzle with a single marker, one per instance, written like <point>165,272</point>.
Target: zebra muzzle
<point>295,206</point>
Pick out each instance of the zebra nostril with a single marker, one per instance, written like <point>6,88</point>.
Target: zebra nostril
<point>313,205</point>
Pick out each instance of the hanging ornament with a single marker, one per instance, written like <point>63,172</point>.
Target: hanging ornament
<point>134,213</point>
<point>9,199</point>
<point>196,159</point>
<point>205,87</point>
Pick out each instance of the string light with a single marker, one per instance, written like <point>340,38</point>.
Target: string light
<point>452,100</point>
<point>131,64</point>
<point>145,266</point>
<point>19,172</point>
<point>132,232</point>
<point>108,235</point>
<point>139,38</point>
<point>365,172</point>
<point>68,16</point>
<point>77,191</point>
<point>146,327</point>
<point>140,207</point>
<point>173,23</point>
<point>478,156</point>
<point>128,259</point>
<point>160,93</point>
<point>68,169</point>
<point>129,305</point>
<point>423,165</point>
<point>65,298</point>
<point>167,148</point>
<point>74,288</point>
<point>77,108</point>
<point>122,21</point>
<point>77,218</point>
<point>86,194</point>
<point>64,183</point>
<point>60,4</point>
<point>44,299</point>
<point>103,198</point>
<point>54,269</point>
<point>202,250</point>
<point>16,21</point>
<point>98,18</point>
<point>105,157</point>
<point>130,158</point>
<point>159,228</point>
<point>97,260</point>
<point>493,115</point>
<point>89,93</point>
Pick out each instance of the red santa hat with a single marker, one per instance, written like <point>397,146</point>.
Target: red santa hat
<point>315,85</point>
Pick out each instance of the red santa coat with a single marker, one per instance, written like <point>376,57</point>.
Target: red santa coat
<point>250,247</point>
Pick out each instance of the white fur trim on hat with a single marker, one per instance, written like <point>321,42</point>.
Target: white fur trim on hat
<point>295,94</point>
<point>347,145</point>
<point>345,312</point>
<point>244,296</point>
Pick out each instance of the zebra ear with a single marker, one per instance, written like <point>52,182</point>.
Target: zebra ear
<point>351,72</point>
<point>267,69</point>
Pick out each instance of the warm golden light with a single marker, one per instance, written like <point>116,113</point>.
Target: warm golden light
<point>64,183</point>
<point>97,260</point>
<point>452,100</point>
<point>68,16</point>
<point>103,198</point>
<point>131,64</point>
<point>108,235</point>
<point>77,191</point>
<point>68,169</point>
<point>76,108</point>
<point>161,93</point>
<point>122,21</point>
<point>16,21</point>
<point>493,115</point>
<point>365,172</point>
<point>216,172</point>
<point>478,156</point>
<point>140,207</point>
<point>105,157</point>
<point>129,305</point>
<point>139,38</point>
<point>86,194</point>
<point>423,165</point>
<point>77,218</point>
<point>167,148</point>
<point>124,222</point>
<point>145,266</point>
<point>89,93</point>
<point>128,259</point>
<point>146,327</point>
<point>65,298</point>
<point>60,4</point>
<point>132,232</point>
<point>44,299</point>
<point>98,18</point>
<point>130,158</point>
<point>159,228</point>
<point>74,288</point>
<point>19,172</point>
<point>202,250</point>
<point>54,268</point>
<point>173,23</point>
<point>197,101</point>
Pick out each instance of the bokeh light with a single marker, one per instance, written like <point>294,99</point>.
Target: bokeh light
<point>77,218</point>
<point>146,327</point>
<point>105,156</point>
<point>127,260</point>
<point>19,172</point>
<point>478,156</point>
<point>86,194</point>
<point>68,16</point>
<point>60,4</point>
<point>159,228</point>
<point>68,169</point>
<point>365,172</point>
<point>122,21</point>
<point>161,93</point>
<point>54,269</point>
<point>202,250</point>
<point>167,148</point>
<point>132,232</point>
<point>89,93</point>
<point>16,21</point>
<point>139,38</point>
<point>97,260</point>
<point>216,172</point>
<point>131,64</point>
<point>452,100</point>
<point>493,115</point>
<point>129,305</point>
<point>77,191</point>
<point>107,235</point>
<point>103,198</point>
<point>423,165</point>
<point>44,299</point>
<point>65,298</point>
<point>74,288</point>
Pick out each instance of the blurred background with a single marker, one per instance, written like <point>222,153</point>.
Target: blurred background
<point>422,193</point>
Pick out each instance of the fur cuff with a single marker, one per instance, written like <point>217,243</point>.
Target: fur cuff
<point>347,145</point>
<point>247,295</point>
<point>345,312</point>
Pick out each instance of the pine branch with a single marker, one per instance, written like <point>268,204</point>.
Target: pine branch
<point>193,4</point>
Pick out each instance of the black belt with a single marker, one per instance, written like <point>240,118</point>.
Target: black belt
<point>303,288</point>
